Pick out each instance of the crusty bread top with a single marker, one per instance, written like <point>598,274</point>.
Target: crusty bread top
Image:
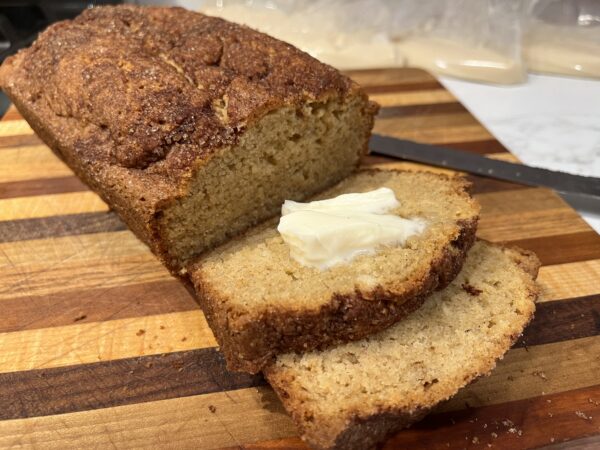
<point>457,335</point>
<point>159,88</point>
<point>255,273</point>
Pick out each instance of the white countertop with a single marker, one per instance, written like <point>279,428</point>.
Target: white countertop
<point>550,122</point>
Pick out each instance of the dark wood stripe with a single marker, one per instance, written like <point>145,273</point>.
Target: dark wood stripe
<point>519,424</point>
<point>421,110</point>
<point>119,382</point>
<point>57,226</point>
<point>529,423</point>
<point>484,185</point>
<point>95,305</point>
<point>483,147</point>
<point>12,114</point>
<point>564,248</point>
<point>19,140</point>
<point>44,186</point>
<point>563,320</point>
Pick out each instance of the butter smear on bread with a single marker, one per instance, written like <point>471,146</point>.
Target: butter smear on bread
<point>324,233</point>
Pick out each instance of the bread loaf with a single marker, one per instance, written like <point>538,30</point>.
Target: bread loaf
<point>354,395</point>
<point>260,302</point>
<point>192,128</point>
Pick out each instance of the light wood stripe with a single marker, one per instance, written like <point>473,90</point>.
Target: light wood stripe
<point>509,227</point>
<point>413,98</point>
<point>79,263</point>
<point>51,205</point>
<point>563,248</point>
<point>526,213</point>
<point>466,133</point>
<point>521,201</point>
<point>564,365</point>
<point>30,163</point>
<point>425,123</point>
<point>14,127</point>
<point>504,156</point>
<point>103,341</point>
<point>242,416</point>
<point>564,281</point>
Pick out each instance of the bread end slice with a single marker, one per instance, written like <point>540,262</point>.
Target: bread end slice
<point>260,302</point>
<point>357,394</point>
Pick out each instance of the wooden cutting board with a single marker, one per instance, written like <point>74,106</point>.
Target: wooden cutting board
<point>100,347</point>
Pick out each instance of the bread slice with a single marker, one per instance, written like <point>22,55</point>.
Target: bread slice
<point>260,302</point>
<point>355,395</point>
<point>191,127</point>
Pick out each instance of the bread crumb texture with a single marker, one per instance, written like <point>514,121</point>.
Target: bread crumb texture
<point>261,302</point>
<point>354,395</point>
<point>262,255</point>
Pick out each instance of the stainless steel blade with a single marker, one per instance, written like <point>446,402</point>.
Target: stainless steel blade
<point>487,167</point>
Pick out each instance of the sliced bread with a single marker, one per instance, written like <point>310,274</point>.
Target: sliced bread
<point>260,302</point>
<point>355,395</point>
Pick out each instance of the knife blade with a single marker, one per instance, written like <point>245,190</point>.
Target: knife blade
<point>480,165</point>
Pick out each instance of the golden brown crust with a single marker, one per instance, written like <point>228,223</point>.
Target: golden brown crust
<point>135,99</point>
<point>158,81</point>
<point>249,343</point>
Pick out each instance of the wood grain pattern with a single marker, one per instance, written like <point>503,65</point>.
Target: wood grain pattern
<point>84,262</point>
<point>95,305</point>
<point>117,382</point>
<point>15,127</point>
<point>30,163</point>
<point>160,376</point>
<point>569,280</point>
<point>245,415</point>
<point>30,188</point>
<point>102,347</point>
<point>102,341</point>
<point>526,423</point>
<point>58,226</point>
<point>559,320</point>
<point>19,140</point>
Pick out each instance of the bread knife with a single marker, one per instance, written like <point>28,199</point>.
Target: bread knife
<point>481,165</point>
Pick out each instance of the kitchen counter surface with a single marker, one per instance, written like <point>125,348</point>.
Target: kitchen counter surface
<point>550,122</point>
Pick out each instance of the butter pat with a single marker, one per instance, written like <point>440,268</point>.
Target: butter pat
<point>326,233</point>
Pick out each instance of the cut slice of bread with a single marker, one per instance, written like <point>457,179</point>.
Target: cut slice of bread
<point>260,302</point>
<point>354,395</point>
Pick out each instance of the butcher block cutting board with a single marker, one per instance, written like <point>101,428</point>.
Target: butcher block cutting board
<point>100,347</point>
